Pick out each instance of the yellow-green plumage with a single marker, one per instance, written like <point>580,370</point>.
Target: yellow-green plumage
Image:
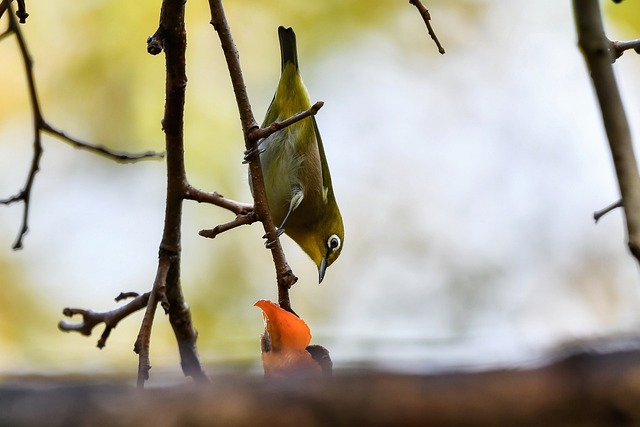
<point>296,174</point>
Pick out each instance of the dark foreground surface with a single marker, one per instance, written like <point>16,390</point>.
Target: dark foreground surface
<point>583,389</point>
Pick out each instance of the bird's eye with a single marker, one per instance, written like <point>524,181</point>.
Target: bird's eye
<point>333,243</point>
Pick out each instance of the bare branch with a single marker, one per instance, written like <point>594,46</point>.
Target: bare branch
<point>284,275</point>
<point>619,47</point>
<point>154,43</point>
<point>141,346</point>
<point>22,11</point>
<point>241,219</point>
<point>260,133</point>
<point>4,5</point>
<point>91,319</point>
<point>599,214</point>
<point>427,20</point>
<point>598,55</point>
<point>245,213</point>
<point>118,156</point>
<point>214,198</point>
<point>124,295</point>
<point>25,194</point>
<point>167,288</point>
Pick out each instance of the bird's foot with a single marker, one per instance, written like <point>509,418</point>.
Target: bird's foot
<point>249,154</point>
<point>270,243</point>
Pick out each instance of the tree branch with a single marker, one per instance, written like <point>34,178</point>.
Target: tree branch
<point>241,219</point>
<point>167,285</point>
<point>91,319</point>
<point>602,212</point>
<point>598,56</point>
<point>427,20</point>
<point>4,5</point>
<point>261,133</point>
<point>245,214</point>
<point>167,289</point>
<point>214,198</point>
<point>142,344</point>
<point>620,47</point>
<point>40,125</point>
<point>117,156</point>
<point>22,11</point>
<point>284,275</point>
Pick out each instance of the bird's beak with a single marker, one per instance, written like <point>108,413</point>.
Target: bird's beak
<point>322,268</point>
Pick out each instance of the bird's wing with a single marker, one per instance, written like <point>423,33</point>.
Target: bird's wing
<point>326,175</point>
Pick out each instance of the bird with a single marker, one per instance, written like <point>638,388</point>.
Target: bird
<point>294,165</point>
<point>285,345</point>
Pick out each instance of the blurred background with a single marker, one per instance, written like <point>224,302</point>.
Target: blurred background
<point>467,184</point>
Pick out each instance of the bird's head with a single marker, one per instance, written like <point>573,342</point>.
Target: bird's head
<point>323,243</point>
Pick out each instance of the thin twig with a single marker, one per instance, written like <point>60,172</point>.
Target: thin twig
<point>620,47</point>
<point>598,56</point>
<point>118,156</point>
<point>91,319</point>
<point>25,194</point>
<point>602,212</point>
<point>260,133</point>
<point>284,275</point>
<point>427,20</point>
<point>214,198</point>
<point>245,214</point>
<point>241,219</point>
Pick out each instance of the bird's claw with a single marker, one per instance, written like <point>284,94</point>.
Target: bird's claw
<point>269,243</point>
<point>249,154</point>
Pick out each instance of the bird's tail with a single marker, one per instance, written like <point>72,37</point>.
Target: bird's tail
<point>288,50</point>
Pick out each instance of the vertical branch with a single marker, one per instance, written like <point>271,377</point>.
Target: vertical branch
<point>144,336</point>
<point>599,57</point>
<point>25,193</point>
<point>284,275</point>
<point>167,285</point>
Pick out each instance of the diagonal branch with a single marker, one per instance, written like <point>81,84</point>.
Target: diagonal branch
<point>117,156</point>
<point>427,20</point>
<point>598,56</point>
<point>4,5</point>
<point>284,275</point>
<point>602,212</point>
<point>241,219</point>
<point>261,133</point>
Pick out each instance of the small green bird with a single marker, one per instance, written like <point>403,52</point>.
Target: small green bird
<point>296,174</point>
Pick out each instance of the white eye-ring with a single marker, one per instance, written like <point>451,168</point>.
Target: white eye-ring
<point>333,243</point>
